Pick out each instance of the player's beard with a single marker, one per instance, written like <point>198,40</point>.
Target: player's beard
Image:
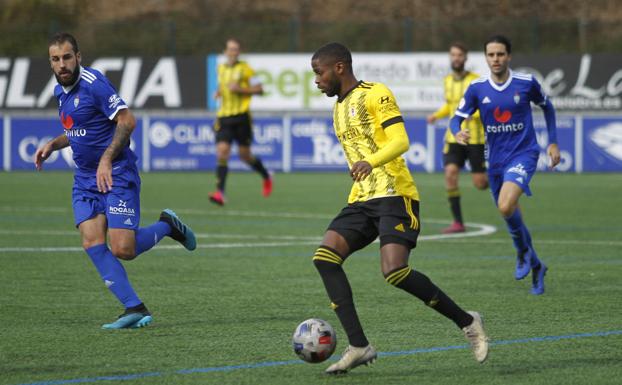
<point>457,67</point>
<point>72,79</point>
<point>333,87</point>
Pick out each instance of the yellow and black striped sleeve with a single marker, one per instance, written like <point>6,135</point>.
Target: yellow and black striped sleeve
<point>382,105</point>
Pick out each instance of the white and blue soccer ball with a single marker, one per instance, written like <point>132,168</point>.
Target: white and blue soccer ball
<point>314,340</point>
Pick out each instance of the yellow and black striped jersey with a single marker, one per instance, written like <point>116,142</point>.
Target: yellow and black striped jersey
<point>360,119</point>
<point>233,103</point>
<point>454,90</point>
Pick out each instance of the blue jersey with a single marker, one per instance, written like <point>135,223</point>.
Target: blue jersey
<point>505,111</point>
<point>87,110</point>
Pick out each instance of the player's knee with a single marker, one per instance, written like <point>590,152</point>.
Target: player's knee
<point>394,275</point>
<point>123,252</point>
<point>506,209</point>
<point>480,184</point>
<point>246,156</point>
<point>87,243</point>
<point>326,259</point>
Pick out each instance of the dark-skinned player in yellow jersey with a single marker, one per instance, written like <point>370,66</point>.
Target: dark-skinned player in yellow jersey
<point>384,203</point>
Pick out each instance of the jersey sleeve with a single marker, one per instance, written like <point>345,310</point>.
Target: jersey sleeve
<point>106,99</point>
<point>442,112</point>
<point>536,94</point>
<point>468,103</point>
<point>466,108</point>
<point>382,105</point>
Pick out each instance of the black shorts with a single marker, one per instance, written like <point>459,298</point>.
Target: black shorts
<point>393,219</point>
<point>455,153</point>
<point>236,127</point>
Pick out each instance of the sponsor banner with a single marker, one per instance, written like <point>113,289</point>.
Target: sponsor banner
<point>588,82</point>
<point>165,82</point>
<point>190,144</point>
<point>28,134</point>
<point>302,143</point>
<point>416,79</point>
<point>315,146</point>
<point>565,141</point>
<point>602,144</point>
<point>419,152</point>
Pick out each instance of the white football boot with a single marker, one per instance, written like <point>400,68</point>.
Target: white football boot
<point>476,336</point>
<point>353,357</point>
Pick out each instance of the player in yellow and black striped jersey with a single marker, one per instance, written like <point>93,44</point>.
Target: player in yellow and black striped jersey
<point>236,85</point>
<point>454,154</point>
<point>383,203</point>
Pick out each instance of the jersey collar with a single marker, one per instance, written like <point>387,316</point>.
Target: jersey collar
<point>501,87</point>
<point>340,99</point>
<point>69,88</point>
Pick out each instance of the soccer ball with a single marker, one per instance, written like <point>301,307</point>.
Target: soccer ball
<point>314,340</point>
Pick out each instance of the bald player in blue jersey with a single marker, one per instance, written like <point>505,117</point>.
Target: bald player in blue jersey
<point>106,191</point>
<point>504,101</point>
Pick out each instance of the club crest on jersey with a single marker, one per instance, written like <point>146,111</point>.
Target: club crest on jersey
<point>113,101</point>
<point>76,101</point>
<point>352,111</point>
<point>516,98</point>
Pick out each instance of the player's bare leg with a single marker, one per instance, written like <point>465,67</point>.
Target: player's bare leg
<point>452,172</point>
<point>480,180</point>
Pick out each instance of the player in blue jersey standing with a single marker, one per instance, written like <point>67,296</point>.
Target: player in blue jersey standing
<point>504,101</point>
<point>106,189</point>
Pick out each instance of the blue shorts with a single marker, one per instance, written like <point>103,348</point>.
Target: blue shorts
<point>121,205</point>
<point>519,170</point>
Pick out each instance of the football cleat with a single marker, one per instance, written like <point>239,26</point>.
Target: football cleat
<point>476,336</point>
<point>353,357</point>
<point>267,187</point>
<point>131,319</point>
<point>455,227</point>
<point>217,197</point>
<point>180,232</point>
<point>537,279</point>
<point>523,264</point>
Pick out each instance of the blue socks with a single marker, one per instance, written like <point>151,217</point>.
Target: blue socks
<point>520,235</point>
<point>113,274</point>
<point>147,237</point>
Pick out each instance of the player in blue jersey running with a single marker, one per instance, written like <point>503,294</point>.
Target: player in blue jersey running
<point>504,101</point>
<point>106,189</point>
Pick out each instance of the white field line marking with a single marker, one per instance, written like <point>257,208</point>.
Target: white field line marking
<point>279,240</point>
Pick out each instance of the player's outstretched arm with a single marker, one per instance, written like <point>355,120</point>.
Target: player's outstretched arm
<point>125,126</point>
<point>442,112</point>
<point>47,149</point>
